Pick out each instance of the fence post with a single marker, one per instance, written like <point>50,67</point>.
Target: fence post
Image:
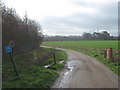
<point>54,56</point>
<point>105,53</point>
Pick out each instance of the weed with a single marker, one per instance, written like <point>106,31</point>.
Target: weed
<point>31,75</point>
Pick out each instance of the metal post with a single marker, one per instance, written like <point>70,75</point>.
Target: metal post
<point>12,51</point>
<point>13,64</point>
<point>12,44</point>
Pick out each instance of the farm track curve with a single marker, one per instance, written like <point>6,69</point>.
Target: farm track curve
<point>83,71</point>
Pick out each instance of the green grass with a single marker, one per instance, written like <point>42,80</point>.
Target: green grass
<point>57,66</point>
<point>49,61</point>
<point>60,56</point>
<point>92,48</point>
<point>32,74</point>
<point>90,44</point>
<point>33,77</point>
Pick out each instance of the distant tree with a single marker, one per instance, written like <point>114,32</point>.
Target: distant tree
<point>97,36</point>
<point>105,35</point>
<point>87,36</point>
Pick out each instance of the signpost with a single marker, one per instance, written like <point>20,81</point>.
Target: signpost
<point>12,46</point>
<point>9,50</point>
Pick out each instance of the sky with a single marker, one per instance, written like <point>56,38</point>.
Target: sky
<point>70,17</point>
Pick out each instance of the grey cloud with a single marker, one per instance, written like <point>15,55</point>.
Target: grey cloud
<point>105,19</point>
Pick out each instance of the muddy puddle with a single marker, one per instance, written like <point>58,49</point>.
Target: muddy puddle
<point>66,74</point>
<point>46,66</point>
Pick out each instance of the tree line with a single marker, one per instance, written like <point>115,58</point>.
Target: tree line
<point>104,35</point>
<point>24,32</point>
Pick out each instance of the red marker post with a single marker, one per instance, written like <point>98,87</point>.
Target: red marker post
<point>109,53</point>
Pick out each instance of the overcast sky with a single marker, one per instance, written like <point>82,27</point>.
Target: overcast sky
<point>70,17</point>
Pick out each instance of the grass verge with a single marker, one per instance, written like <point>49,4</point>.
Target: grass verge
<point>32,74</point>
<point>33,77</point>
<point>114,66</point>
<point>60,56</point>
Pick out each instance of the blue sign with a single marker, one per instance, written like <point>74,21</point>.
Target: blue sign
<point>8,49</point>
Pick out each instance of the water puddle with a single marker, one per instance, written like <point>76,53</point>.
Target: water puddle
<point>46,66</point>
<point>67,73</point>
<point>70,66</point>
<point>60,62</point>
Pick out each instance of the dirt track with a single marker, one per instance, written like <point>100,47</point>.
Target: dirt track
<point>82,71</point>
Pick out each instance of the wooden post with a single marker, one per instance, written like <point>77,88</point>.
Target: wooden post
<point>109,53</point>
<point>54,57</point>
<point>105,53</point>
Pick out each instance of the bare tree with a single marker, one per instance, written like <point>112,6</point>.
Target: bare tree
<point>26,33</point>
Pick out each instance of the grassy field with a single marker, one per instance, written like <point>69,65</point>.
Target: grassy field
<point>94,49</point>
<point>30,66</point>
<point>87,44</point>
